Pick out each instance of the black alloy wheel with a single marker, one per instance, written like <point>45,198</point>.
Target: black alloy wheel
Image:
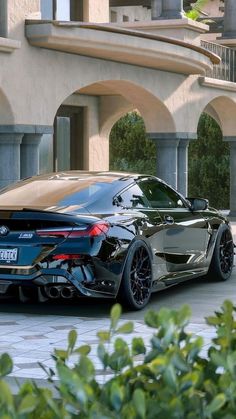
<point>223,256</point>
<point>226,250</point>
<point>135,289</point>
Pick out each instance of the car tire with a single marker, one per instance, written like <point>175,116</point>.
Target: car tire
<point>223,256</point>
<point>136,284</point>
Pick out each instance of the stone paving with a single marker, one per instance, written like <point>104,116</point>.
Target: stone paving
<point>30,338</point>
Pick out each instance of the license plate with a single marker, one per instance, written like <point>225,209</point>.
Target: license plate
<point>8,255</point>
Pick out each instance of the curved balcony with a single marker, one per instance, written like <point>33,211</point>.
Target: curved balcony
<point>121,45</point>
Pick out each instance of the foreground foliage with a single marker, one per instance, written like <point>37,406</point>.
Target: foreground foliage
<point>166,379</point>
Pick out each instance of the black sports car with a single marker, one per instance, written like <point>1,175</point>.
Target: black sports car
<point>104,234</point>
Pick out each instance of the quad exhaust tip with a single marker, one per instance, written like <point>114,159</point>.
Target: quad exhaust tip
<point>55,292</point>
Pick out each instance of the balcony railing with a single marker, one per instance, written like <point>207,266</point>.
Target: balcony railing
<point>226,70</point>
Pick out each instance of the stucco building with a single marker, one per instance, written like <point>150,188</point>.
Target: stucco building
<point>71,68</point>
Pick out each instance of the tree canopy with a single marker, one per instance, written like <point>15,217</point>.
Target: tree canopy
<point>131,150</point>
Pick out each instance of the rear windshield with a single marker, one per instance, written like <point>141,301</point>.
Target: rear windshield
<point>55,192</point>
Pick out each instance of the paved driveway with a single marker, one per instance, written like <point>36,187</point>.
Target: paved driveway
<point>30,332</point>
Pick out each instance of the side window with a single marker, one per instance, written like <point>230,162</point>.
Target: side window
<point>160,195</point>
<point>133,197</point>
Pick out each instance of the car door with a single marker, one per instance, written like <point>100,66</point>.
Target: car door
<point>150,226</point>
<point>185,232</point>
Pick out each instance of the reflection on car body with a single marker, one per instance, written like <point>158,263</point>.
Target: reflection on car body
<point>104,234</point>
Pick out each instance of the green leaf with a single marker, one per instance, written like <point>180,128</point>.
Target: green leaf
<point>138,346</point>
<point>212,320</point>
<point>28,404</point>
<point>5,394</point>
<point>83,350</point>
<point>121,346</point>
<point>211,387</point>
<point>218,359</point>
<point>180,363</point>
<point>72,338</point>
<point>231,362</point>
<point>104,336</point>
<point>184,315</point>
<point>60,354</point>
<point>70,382</point>
<point>170,378</point>
<point>103,355</point>
<point>117,361</point>
<point>6,364</point>
<point>47,396</point>
<point>157,343</point>
<point>139,403</point>
<point>216,404</point>
<point>115,315</point>
<point>117,396</point>
<point>86,368</point>
<point>158,365</point>
<point>126,328</point>
<point>169,335</point>
<point>151,319</point>
<point>49,371</point>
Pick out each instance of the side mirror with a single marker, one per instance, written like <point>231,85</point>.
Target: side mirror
<point>198,204</point>
<point>117,200</point>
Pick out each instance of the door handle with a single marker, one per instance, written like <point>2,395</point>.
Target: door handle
<point>168,220</point>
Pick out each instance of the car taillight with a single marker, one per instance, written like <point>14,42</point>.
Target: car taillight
<point>65,257</point>
<point>54,232</point>
<point>93,230</point>
<point>96,229</point>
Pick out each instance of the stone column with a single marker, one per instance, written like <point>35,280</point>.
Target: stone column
<point>182,171</point>
<point>9,158</point>
<point>229,19</point>
<point>29,155</point>
<point>172,9</point>
<point>3,19</point>
<point>232,144</point>
<point>167,157</point>
<point>156,8</point>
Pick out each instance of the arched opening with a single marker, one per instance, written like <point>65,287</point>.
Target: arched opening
<point>130,148</point>
<point>209,162</point>
<point>6,114</point>
<point>84,119</point>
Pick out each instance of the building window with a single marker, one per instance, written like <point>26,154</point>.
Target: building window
<point>113,16</point>
<point>125,18</point>
<point>62,10</point>
<point>47,9</point>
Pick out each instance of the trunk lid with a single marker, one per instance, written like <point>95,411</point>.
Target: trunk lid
<point>28,236</point>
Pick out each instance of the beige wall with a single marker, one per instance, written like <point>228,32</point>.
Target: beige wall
<point>18,11</point>
<point>168,101</point>
<point>212,8</point>
<point>132,14</point>
<point>96,11</point>
<point>34,82</point>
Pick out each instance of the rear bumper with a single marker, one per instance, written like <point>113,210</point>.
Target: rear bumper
<point>86,286</point>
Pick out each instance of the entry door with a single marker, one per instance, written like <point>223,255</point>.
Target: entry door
<point>185,233</point>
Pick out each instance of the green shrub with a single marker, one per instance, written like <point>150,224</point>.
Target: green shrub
<point>168,379</point>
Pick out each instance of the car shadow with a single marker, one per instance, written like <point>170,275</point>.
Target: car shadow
<point>95,308</point>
